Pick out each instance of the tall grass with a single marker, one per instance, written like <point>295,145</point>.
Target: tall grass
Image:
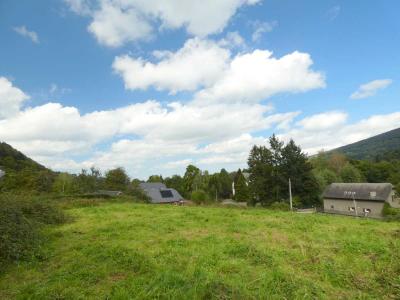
<point>137,251</point>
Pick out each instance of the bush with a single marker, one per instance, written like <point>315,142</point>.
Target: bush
<point>280,206</point>
<point>391,213</point>
<point>200,197</point>
<point>20,223</point>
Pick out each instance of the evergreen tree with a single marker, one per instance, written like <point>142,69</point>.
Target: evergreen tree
<point>225,184</point>
<point>295,165</point>
<point>261,175</point>
<point>241,188</point>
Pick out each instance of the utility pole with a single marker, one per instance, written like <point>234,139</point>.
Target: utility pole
<point>290,195</point>
<point>355,203</point>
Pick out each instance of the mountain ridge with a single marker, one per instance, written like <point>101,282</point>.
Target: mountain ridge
<point>377,147</point>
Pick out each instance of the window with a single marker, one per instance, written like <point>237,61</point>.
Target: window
<point>372,194</point>
<point>166,194</point>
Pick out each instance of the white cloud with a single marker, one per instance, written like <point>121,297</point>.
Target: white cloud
<point>113,25</point>
<point>198,63</point>
<point>255,76</point>
<point>260,28</point>
<point>323,121</point>
<point>23,31</point>
<point>149,138</point>
<point>116,22</point>
<point>371,88</point>
<point>233,40</point>
<point>11,98</point>
<point>248,77</point>
<point>314,137</point>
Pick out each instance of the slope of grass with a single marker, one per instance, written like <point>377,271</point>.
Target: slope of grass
<point>138,251</point>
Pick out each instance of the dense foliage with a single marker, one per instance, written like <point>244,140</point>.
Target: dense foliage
<point>21,219</point>
<point>271,168</point>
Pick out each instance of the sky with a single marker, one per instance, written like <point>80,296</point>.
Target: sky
<point>153,86</point>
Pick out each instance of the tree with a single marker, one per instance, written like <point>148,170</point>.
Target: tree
<point>261,172</point>
<point>225,182</point>
<point>189,178</point>
<point>337,161</point>
<point>241,188</point>
<point>349,173</point>
<point>295,165</point>
<point>214,186</point>
<point>270,170</point>
<point>117,179</point>
<point>278,180</point>
<point>176,182</point>
<point>155,178</point>
<point>64,183</point>
<point>89,181</point>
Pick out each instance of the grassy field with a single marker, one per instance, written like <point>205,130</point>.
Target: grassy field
<point>138,251</point>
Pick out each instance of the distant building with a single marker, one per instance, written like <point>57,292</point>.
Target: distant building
<point>108,193</point>
<point>159,193</point>
<point>362,199</point>
<point>2,173</point>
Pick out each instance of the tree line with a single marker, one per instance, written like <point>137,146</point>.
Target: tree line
<point>264,181</point>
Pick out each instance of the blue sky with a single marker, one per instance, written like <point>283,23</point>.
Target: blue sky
<point>81,83</point>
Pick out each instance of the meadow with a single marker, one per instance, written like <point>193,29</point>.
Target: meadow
<point>139,251</point>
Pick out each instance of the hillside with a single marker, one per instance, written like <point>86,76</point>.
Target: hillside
<point>14,160</point>
<point>139,251</point>
<point>385,145</point>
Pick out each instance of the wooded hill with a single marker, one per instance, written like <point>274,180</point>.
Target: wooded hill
<point>385,146</point>
<point>14,160</point>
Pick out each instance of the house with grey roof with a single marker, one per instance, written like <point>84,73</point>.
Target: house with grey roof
<point>159,193</point>
<point>359,199</point>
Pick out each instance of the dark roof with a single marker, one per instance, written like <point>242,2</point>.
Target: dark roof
<point>159,193</point>
<point>361,191</point>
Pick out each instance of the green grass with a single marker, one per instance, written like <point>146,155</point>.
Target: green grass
<point>139,251</point>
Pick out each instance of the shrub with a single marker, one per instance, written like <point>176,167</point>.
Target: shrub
<point>391,213</point>
<point>279,206</point>
<point>20,223</point>
<point>200,197</point>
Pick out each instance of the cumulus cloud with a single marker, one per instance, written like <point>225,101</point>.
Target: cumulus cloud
<point>116,22</point>
<point>315,133</point>
<point>23,31</point>
<point>249,76</point>
<point>11,98</point>
<point>371,88</point>
<point>198,63</point>
<point>113,26</point>
<point>323,120</point>
<point>257,75</point>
